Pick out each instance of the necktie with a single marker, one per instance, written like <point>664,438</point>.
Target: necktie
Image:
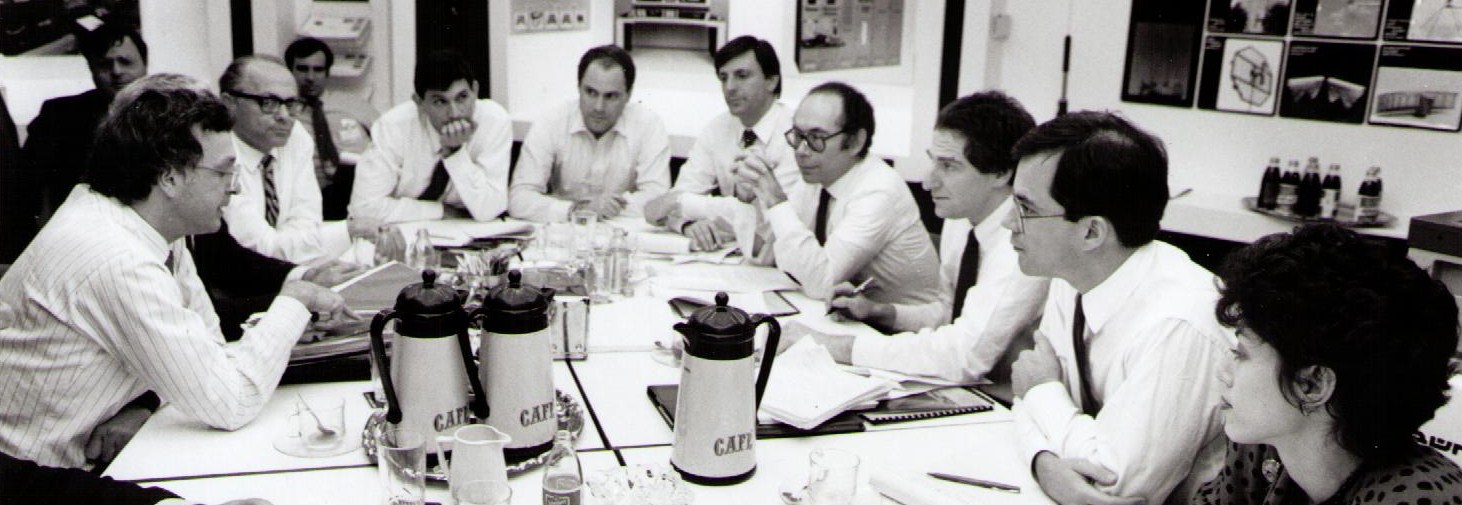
<point>823,201</point>
<point>969,273</point>
<point>271,198</point>
<point>1078,342</point>
<point>438,185</point>
<point>168,262</point>
<point>324,142</point>
<point>748,138</point>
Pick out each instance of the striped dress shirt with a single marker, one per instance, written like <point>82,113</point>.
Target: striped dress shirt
<point>562,162</point>
<point>91,316</point>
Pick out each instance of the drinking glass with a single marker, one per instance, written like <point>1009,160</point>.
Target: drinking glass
<point>584,224</point>
<point>482,492</point>
<point>315,428</point>
<point>832,478</point>
<point>401,457</point>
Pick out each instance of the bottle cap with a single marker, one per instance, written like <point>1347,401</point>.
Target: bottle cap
<point>1374,171</point>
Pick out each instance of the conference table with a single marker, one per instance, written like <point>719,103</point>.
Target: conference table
<point>622,427</point>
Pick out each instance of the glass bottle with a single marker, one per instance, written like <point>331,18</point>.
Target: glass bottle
<point>1269,186</point>
<point>1307,201</point>
<point>1288,187</point>
<point>619,257</point>
<point>563,479</point>
<point>1330,192</point>
<point>1369,206</point>
<point>422,255</point>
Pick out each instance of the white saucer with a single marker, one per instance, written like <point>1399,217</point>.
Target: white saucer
<point>792,491</point>
<point>295,446</point>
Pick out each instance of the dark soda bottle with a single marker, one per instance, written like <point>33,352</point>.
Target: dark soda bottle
<point>1289,185</point>
<point>1269,186</point>
<point>1307,201</point>
<point>1330,192</point>
<point>1369,206</point>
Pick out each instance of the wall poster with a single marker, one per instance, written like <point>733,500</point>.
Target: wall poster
<point>1162,52</point>
<point>49,27</point>
<point>1254,17</point>
<point>1424,21</point>
<point>550,15</point>
<point>1418,86</point>
<point>1241,74</point>
<point>1347,19</point>
<point>836,34</point>
<point>1327,81</point>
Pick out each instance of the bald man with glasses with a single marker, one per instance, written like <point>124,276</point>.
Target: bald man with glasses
<point>855,219</point>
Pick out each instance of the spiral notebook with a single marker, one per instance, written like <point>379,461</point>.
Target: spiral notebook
<point>934,403</point>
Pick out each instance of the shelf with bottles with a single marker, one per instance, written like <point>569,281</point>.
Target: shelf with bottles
<point>1307,197</point>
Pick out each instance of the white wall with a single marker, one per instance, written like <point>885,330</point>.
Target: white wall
<point>1214,152</point>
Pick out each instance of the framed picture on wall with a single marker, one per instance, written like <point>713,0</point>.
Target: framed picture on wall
<point>1241,75</point>
<point>1253,17</point>
<point>1162,52</point>
<point>1424,21</point>
<point>1327,81</point>
<point>50,27</point>
<point>1418,86</point>
<point>1342,19</point>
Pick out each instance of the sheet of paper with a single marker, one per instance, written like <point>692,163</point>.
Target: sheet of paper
<point>753,303</point>
<point>807,387</point>
<point>459,232</point>
<point>729,278</point>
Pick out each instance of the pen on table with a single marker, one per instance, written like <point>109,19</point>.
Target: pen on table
<point>975,482</point>
<point>857,290</point>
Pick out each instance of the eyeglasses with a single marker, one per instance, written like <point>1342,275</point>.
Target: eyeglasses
<point>269,104</point>
<point>815,141</point>
<point>232,173</point>
<point>1021,214</point>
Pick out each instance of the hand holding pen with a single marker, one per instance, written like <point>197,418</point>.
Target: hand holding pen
<point>842,291</point>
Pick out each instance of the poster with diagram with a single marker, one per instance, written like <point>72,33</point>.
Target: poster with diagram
<point>1424,21</point>
<point>549,15</point>
<point>1418,86</point>
<point>837,34</point>
<point>1241,75</point>
<point>1327,81</point>
<point>1344,19</point>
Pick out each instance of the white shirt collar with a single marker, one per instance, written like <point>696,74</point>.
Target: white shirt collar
<point>247,157</point>
<point>1106,299</point>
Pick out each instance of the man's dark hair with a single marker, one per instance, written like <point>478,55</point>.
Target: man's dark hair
<point>857,112</point>
<point>306,47</point>
<point>610,55</point>
<point>1326,296</point>
<point>990,122</point>
<point>1108,168</point>
<point>95,44</point>
<point>136,146</point>
<point>439,69</point>
<point>766,56</point>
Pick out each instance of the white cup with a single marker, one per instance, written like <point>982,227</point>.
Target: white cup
<point>832,477</point>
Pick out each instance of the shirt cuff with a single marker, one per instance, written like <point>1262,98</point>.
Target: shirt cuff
<point>783,219</point>
<point>561,209</point>
<point>334,238</point>
<point>297,273</point>
<point>866,349</point>
<point>1050,408</point>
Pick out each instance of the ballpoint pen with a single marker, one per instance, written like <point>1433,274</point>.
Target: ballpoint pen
<point>975,482</point>
<point>857,290</point>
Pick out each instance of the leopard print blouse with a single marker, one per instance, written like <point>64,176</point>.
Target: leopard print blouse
<point>1252,475</point>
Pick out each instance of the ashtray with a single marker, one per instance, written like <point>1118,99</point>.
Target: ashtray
<point>639,484</point>
<point>570,417</point>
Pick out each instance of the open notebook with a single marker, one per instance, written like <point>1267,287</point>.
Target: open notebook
<point>934,403</point>
<point>808,388</point>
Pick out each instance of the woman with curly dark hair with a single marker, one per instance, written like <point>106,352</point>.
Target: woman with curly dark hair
<point>1343,352</point>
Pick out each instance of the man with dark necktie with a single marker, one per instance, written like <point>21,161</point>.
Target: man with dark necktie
<point>1119,400</point>
<point>855,218</point>
<point>338,121</point>
<point>995,305</point>
<point>704,204</point>
<point>443,154</point>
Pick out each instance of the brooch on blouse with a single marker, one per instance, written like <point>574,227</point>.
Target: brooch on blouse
<point>1271,468</point>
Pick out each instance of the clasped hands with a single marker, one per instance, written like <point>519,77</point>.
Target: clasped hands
<point>755,180</point>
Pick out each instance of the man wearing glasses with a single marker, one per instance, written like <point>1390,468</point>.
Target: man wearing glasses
<point>599,153</point>
<point>277,211</point>
<point>855,219</point>
<point>1118,402</point>
<point>444,154</point>
<point>106,302</point>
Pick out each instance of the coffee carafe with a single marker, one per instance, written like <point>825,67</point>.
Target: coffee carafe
<point>426,391</point>
<point>720,389</point>
<point>517,365</point>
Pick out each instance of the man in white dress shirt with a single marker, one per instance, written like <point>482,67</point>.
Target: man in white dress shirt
<point>277,210</point>
<point>704,204</point>
<point>854,219</point>
<point>599,153</point>
<point>106,302</point>
<point>338,121</point>
<point>1119,400</point>
<point>444,154</point>
<point>999,305</point>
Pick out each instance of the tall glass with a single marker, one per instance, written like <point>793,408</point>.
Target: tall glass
<point>401,457</point>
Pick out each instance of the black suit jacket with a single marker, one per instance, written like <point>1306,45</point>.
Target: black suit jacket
<point>24,482</point>
<point>60,140</point>
<point>17,200</point>
<point>239,280</point>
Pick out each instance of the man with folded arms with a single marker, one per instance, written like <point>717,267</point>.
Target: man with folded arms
<point>998,305</point>
<point>1119,400</point>
<point>444,154</point>
<point>854,219</point>
<point>600,153</point>
<point>106,302</point>
<point>704,204</point>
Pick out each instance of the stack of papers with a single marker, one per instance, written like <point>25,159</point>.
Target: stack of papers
<point>807,387</point>
<point>460,232</point>
<point>728,278</point>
